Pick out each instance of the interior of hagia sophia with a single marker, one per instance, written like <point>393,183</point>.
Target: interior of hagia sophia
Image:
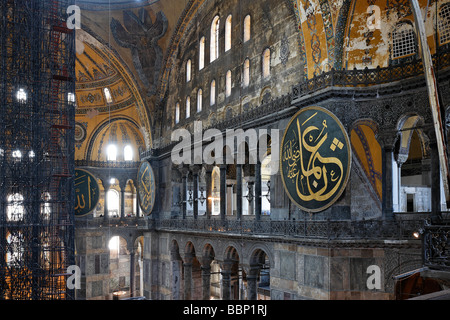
<point>147,69</point>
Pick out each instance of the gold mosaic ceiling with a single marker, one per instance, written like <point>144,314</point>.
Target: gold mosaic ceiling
<point>94,74</point>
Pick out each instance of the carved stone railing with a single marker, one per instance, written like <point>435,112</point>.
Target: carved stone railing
<point>328,230</point>
<point>106,164</point>
<point>90,222</point>
<point>368,77</point>
<point>436,246</point>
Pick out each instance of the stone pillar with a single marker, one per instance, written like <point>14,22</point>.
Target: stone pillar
<point>229,198</point>
<point>208,180</point>
<point>239,191</point>
<point>184,176</point>
<point>106,186</point>
<point>226,280</point>
<point>122,186</point>
<point>206,280</point>
<point>252,284</point>
<point>195,169</point>
<point>187,265</point>
<point>387,141</point>
<point>132,276</point>
<point>258,190</point>
<point>223,191</point>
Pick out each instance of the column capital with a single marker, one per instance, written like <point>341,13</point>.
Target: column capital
<point>195,168</point>
<point>387,138</point>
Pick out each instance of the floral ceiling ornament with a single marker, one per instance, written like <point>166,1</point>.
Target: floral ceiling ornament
<point>141,35</point>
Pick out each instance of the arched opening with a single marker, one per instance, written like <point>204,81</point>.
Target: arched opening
<point>199,100</point>
<point>258,281</point>
<point>213,93</point>
<point>247,29</point>
<point>266,63</point>
<point>138,289</point>
<point>214,46</point>
<point>111,152</point>
<point>201,54</point>
<point>246,76</point>
<point>192,274</point>
<point>177,285</point>
<point>119,266</point>
<point>232,276</point>
<point>113,199</point>
<point>15,249</point>
<point>128,153</point>
<point>177,113</point>
<point>188,107</point>
<point>228,33</point>
<point>15,207</point>
<point>188,70</point>
<point>228,84</point>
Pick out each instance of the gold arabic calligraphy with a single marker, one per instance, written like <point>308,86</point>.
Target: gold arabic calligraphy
<point>317,178</point>
<point>85,193</point>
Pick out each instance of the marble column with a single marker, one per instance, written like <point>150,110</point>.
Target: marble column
<point>239,191</point>
<point>206,281</point>
<point>195,170</point>
<point>258,191</point>
<point>208,180</point>
<point>252,285</point>
<point>223,191</point>
<point>187,265</point>
<point>106,186</point>
<point>226,280</point>
<point>132,275</point>
<point>387,141</point>
<point>184,176</point>
<point>122,187</point>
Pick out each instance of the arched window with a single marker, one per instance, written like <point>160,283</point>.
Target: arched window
<point>188,70</point>
<point>266,63</point>
<point>403,40</point>
<point>111,152</point>
<point>228,33</point>
<point>17,155</point>
<point>214,46</point>
<point>46,208</point>
<point>188,107</point>
<point>199,100</point>
<point>177,112</point>
<point>246,72</point>
<point>113,203</point>
<point>15,209</point>
<point>108,96</point>
<point>71,97</point>
<point>14,254</point>
<point>21,95</point>
<point>228,84</point>
<point>128,153</point>
<point>201,54</point>
<point>213,93</point>
<point>247,23</point>
<point>444,23</point>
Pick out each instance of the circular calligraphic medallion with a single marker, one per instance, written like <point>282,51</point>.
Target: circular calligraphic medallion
<point>146,187</point>
<point>315,159</point>
<point>80,132</point>
<point>87,192</point>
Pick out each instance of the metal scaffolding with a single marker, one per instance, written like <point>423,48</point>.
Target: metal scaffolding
<point>37,115</point>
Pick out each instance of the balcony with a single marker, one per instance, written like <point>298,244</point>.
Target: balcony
<point>436,246</point>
